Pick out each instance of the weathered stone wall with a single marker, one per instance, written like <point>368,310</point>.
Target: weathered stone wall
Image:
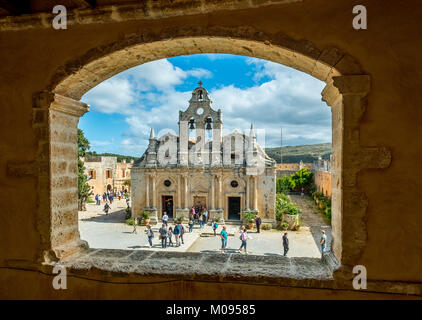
<point>323,182</point>
<point>89,51</point>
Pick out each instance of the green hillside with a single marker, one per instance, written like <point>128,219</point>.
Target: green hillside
<point>119,156</point>
<point>306,153</point>
<point>291,154</point>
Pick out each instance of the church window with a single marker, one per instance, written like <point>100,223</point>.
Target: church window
<point>234,184</point>
<point>123,173</point>
<point>167,183</point>
<point>109,174</point>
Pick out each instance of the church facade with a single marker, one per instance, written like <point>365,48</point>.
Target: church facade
<point>229,175</point>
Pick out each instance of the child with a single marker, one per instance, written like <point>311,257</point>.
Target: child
<point>135,221</point>
<point>170,236</point>
<point>214,226</point>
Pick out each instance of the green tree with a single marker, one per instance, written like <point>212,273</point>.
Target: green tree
<point>302,178</point>
<point>83,187</point>
<point>284,184</point>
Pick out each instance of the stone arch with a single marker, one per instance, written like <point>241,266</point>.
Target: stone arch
<point>78,76</point>
<point>346,91</point>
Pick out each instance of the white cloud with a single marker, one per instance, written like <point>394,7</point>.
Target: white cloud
<point>286,99</point>
<point>111,96</point>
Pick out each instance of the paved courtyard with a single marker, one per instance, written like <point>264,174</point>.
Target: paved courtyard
<point>111,231</point>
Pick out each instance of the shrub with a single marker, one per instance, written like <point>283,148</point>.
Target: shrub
<point>180,219</point>
<point>266,226</point>
<point>217,219</point>
<point>249,217</point>
<point>284,184</point>
<point>130,221</point>
<point>145,215</point>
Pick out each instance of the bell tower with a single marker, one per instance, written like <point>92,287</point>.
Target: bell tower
<point>200,116</point>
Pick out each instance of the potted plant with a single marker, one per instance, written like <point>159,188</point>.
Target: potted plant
<point>284,225</point>
<point>145,217</point>
<point>217,219</point>
<point>249,217</point>
<point>180,219</point>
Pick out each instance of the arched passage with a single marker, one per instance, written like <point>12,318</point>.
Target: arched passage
<point>345,93</point>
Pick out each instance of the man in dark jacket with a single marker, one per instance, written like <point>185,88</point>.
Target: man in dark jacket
<point>258,222</point>
<point>163,236</point>
<point>285,243</point>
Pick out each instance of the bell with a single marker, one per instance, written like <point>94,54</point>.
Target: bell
<point>208,124</point>
<point>191,124</point>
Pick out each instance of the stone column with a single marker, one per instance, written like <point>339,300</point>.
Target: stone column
<point>346,95</point>
<point>154,191</point>
<point>247,191</point>
<point>183,143</point>
<point>216,144</point>
<point>185,180</point>
<point>55,123</point>
<point>179,192</point>
<point>255,193</point>
<point>212,193</point>
<point>147,202</point>
<point>220,192</point>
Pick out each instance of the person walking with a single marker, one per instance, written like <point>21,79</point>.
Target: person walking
<point>201,222</point>
<point>135,221</point>
<point>214,226</point>
<point>163,236</point>
<point>170,236</point>
<point>285,244</point>
<point>106,208</point>
<point>243,237</point>
<point>165,218</point>
<point>223,236</point>
<point>127,201</point>
<point>150,235</point>
<point>182,232</point>
<point>258,222</point>
<point>323,241</point>
<point>176,233</point>
<point>205,216</point>
<point>191,219</point>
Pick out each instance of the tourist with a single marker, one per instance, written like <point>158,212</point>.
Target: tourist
<point>243,237</point>
<point>302,192</point>
<point>182,232</point>
<point>150,235</point>
<point>170,236</point>
<point>176,233</point>
<point>258,222</point>
<point>165,218</point>
<point>104,197</point>
<point>201,222</point>
<point>285,244</point>
<point>214,226</point>
<point>127,201</point>
<point>323,241</point>
<point>223,236</point>
<point>163,236</point>
<point>110,198</point>
<point>135,220</point>
<point>205,216</point>
<point>191,223</point>
<point>106,208</point>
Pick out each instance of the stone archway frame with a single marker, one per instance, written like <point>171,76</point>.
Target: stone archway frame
<point>346,90</point>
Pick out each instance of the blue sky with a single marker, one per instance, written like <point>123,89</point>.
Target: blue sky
<point>247,90</point>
